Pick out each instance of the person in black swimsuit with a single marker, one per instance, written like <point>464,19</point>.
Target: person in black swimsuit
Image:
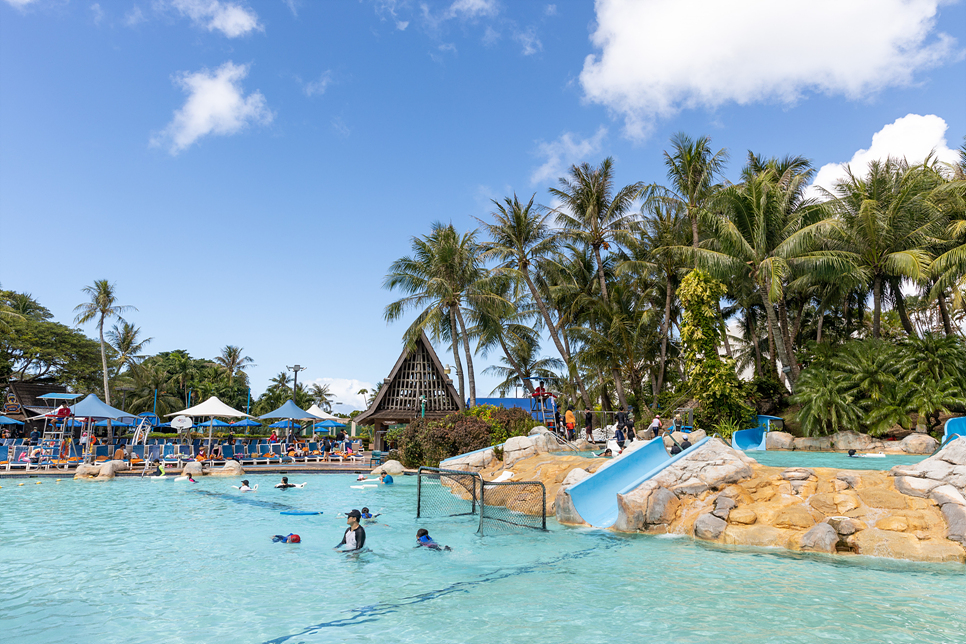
<point>284,485</point>
<point>355,535</point>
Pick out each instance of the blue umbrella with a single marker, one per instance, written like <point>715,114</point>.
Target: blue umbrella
<point>329,423</point>
<point>9,421</point>
<point>248,422</point>
<point>214,422</point>
<point>284,424</point>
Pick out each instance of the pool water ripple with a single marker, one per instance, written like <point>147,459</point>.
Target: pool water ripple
<point>157,561</point>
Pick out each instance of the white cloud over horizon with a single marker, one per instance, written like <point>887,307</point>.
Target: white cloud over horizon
<point>345,391</point>
<point>659,57</point>
<point>230,18</point>
<point>318,86</point>
<point>912,137</point>
<point>20,4</point>
<point>567,150</point>
<point>215,105</point>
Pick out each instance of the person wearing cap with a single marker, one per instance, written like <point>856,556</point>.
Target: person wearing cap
<point>655,426</point>
<point>290,538</point>
<point>355,535</point>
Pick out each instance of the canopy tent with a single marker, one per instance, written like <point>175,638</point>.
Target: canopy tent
<point>291,411</point>
<point>211,407</point>
<point>9,421</point>
<point>317,411</point>
<point>214,422</point>
<point>94,407</point>
<point>114,423</point>
<point>56,396</point>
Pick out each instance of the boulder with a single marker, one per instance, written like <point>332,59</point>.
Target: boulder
<point>779,440</point>
<point>916,486</point>
<point>820,538</point>
<point>110,468</point>
<point>632,506</point>
<point>712,466</point>
<point>517,448</point>
<point>574,476</point>
<point>902,545</point>
<point>85,471</point>
<point>753,535</point>
<point>230,468</point>
<point>584,445</point>
<point>813,443</point>
<point>797,474</point>
<point>885,499</point>
<point>918,444</point>
<point>947,494</point>
<point>955,522</point>
<point>662,507</point>
<point>723,506</point>
<point>844,441</point>
<point>697,435</point>
<point>395,468</point>
<point>843,525</point>
<point>543,443</point>
<point>744,516</point>
<point>563,504</point>
<point>794,517</point>
<point>539,429</point>
<point>193,468</point>
<point>709,527</point>
<point>954,452</point>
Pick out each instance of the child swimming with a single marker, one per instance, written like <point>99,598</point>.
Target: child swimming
<point>423,540</point>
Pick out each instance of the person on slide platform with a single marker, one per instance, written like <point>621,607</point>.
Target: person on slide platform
<point>355,535</point>
<point>423,540</point>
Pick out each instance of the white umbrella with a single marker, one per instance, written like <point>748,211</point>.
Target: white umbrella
<point>315,410</point>
<point>211,407</point>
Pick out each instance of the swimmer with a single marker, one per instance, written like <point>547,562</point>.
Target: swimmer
<point>160,469</point>
<point>355,535</point>
<point>291,538</point>
<point>284,485</point>
<point>361,477</point>
<point>368,515</point>
<point>852,454</point>
<point>606,453</point>
<point>385,478</point>
<point>191,479</point>
<point>423,540</point>
<point>245,487</point>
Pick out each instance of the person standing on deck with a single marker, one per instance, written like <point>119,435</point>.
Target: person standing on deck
<point>571,422</point>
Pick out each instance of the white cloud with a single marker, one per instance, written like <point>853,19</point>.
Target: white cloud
<point>230,18</point>
<point>665,55</point>
<point>448,46</point>
<point>97,13</point>
<point>318,87</point>
<point>215,105</point>
<point>340,128</point>
<point>134,16</point>
<point>293,6</point>
<point>344,390</point>
<point>528,39</point>
<point>550,10</point>
<point>402,24</point>
<point>20,4</point>
<point>912,137</point>
<point>468,9</point>
<point>564,152</point>
<point>490,36</point>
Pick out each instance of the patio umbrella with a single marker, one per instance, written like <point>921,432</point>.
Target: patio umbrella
<point>291,411</point>
<point>247,423</point>
<point>328,425</point>
<point>211,407</point>
<point>93,407</point>
<point>4,420</point>
<point>284,424</point>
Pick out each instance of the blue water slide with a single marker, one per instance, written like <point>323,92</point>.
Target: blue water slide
<point>595,498</point>
<point>754,438</point>
<point>955,427</point>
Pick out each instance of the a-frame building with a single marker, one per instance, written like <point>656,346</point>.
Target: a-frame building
<point>417,373</point>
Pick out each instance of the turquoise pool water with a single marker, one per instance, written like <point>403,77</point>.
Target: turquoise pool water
<point>840,460</point>
<point>158,561</point>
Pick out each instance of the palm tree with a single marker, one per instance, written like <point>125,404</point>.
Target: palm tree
<point>150,381</point>
<point>234,363</point>
<point>321,396</point>
<point>102,306</point>
<point>590,213</point>
<point>887,220</point>
<point>125,341</point>
<point>441,278</point>
<point>523,357</point>
<point>692,170</point>
<point>520,240</point>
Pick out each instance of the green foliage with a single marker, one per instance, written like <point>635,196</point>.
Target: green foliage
<point>727,427</point>
<point>712,378</point>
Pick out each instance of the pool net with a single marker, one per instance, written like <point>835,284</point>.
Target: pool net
<point>503,506</point>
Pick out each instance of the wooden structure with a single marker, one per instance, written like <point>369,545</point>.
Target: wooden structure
<point>417,378</point>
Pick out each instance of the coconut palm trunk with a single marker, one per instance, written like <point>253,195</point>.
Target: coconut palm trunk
<point>469,357</point>
<point>876,304</point>
<point>944,313</point>
<point>665,331</point>
<point>600,275</point>
<point>456,355</point>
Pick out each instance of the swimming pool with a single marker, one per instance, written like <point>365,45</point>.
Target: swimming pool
<point>841,460</point>
<point>156,561</point>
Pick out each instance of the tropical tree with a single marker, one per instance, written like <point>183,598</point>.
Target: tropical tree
<point>692,170</point>
<point>234,363</point>
<point>321,396</point>
<point>126,341</point>
<point>101,307</point>
<point>592,213</point>
<point>523,357</point>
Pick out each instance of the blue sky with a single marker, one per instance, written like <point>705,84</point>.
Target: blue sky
<point>246,171</point>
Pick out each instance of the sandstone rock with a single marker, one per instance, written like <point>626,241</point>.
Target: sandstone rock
<point>85,471</point>
<point>845,502</point>
<point>193,468</point>
<point>947,494</point>
<point>631,507</point>
<point>395,467</point>
<point>954,452</point>
<point>584,445</point>
<point>723,506</point>
<point>539,429</point>
<point>565,511</point>
<point>779,440</point>
<point>844,525</point>
<point>714,465</point>
<point>900,545</point>
<point>662,507</point>
<point>955,522</point>
<point>231,468</point>
<point>824,503</point>
<point>893,523</point>
<point>918,444</point>
<point>753,535</point>
<point>709,527</point>
<point>880,498</point>
<point>744,516</point>
<point>915,486</point>
<point>851,479</point>
<point>517,448</point>
<point>813,443</point>
<point>797,474</point>
<point>697,435</point>
<point>820,538</point>
<point>844,441</point>
<point>794,516</point>
<point>574,477</point>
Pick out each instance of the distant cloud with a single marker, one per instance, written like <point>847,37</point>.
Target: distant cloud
<point>402,24</point>
<point>134,16</point>
<point>97,13</point>
<point>215,105</point>
<point>564,152</point>
<point>550,10</point>
<point>318,86</point>
<point>230,18</point>
<point>20,4</point>
<point>345,391</point>
<point>293,6</point>
<point>340,128</point>
<point>740,53</point>
<point>448,46</point>
<point>468,9</point>
<point>528,39</point>
<point>912,137</point>
<point>490,36</point>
